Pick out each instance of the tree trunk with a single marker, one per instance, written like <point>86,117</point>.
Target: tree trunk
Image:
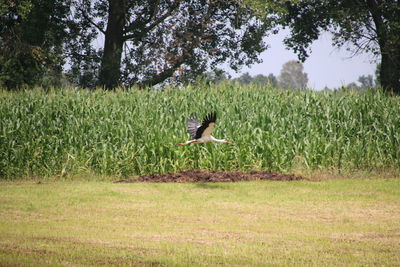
<point>390,71</point>
<point>389,49</point>
<point>111,62</point>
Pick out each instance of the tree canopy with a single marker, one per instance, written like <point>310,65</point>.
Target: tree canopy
<point>150,42</point>
<point>292,76</point>
<point>32,34</point>
<point>145,42</point>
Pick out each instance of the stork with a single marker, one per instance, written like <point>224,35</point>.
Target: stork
<point>201,133</point>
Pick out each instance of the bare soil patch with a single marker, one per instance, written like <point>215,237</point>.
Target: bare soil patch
<point>207,176</point>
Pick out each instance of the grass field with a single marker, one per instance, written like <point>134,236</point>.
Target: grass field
<point>335,222</point>
<point>66,132</point>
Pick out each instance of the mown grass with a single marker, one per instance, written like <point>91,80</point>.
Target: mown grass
<point>336,222</point>
<point>134,132</point>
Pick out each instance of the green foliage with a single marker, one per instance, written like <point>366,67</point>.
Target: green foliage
<point>154,42</point>
<point>366,81</point>
<point>259,79</point>
<point>31,41</point>
<point>10,9</point>
<point>292,76</point>
<point>124,133</point>
<point>262,80</point>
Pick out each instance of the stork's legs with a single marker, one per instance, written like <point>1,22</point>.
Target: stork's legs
<point>187,142</point>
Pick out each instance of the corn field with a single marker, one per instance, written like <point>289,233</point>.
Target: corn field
<point>135,132</point>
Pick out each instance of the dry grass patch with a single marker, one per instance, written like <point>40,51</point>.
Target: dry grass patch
<point>350,222</point>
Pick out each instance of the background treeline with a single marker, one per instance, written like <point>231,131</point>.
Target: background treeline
<point>112,43</point>
<point>291,77</point>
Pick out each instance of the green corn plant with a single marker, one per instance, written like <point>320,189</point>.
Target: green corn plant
<point>135,132</point>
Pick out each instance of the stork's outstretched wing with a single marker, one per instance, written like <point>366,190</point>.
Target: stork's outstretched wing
<point>197,130</point>
<point>193,125</point>
<point>207,126</point>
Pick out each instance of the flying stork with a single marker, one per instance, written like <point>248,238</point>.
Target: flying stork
<point>201,133</point>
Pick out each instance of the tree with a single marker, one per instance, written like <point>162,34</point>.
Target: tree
<point>378,75</point>
<point>245,78</point>
<point>351,87</point>
<point>260,79</point>
<point>272,80</point>
<point>366,82</point>
<point>31,40</point>
<point>216,76</point>
<point>84,56</point>
<point>371,26</point>
<point>292,76</point>
<point>149,42</point>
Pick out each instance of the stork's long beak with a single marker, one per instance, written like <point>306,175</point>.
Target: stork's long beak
<point>230,143</point>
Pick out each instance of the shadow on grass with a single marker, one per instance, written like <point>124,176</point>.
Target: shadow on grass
<point>211,186</point>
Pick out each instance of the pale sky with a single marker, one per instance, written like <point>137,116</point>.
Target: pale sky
<point>326,65</point>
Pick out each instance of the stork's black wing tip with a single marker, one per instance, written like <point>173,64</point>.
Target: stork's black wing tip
<point>193,116</point>
<point>212,117</point>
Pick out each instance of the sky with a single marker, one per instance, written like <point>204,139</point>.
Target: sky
<point>326,65</point>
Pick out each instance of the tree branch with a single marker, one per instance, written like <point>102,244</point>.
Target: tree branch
<point>152,25</point>
<point>161,76</point>
<point>91,21</point>
<point>167,73</point>
<point>375,10</point>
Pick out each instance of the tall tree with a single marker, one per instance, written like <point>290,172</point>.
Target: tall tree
<point>113,44</point>
<point>272,80</point>
<point>371,26</point>
<point>292,76</point>
<point>31,40</point>
<point>150,42</point>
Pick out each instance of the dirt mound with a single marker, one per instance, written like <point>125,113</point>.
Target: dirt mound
<point>206,176</point>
